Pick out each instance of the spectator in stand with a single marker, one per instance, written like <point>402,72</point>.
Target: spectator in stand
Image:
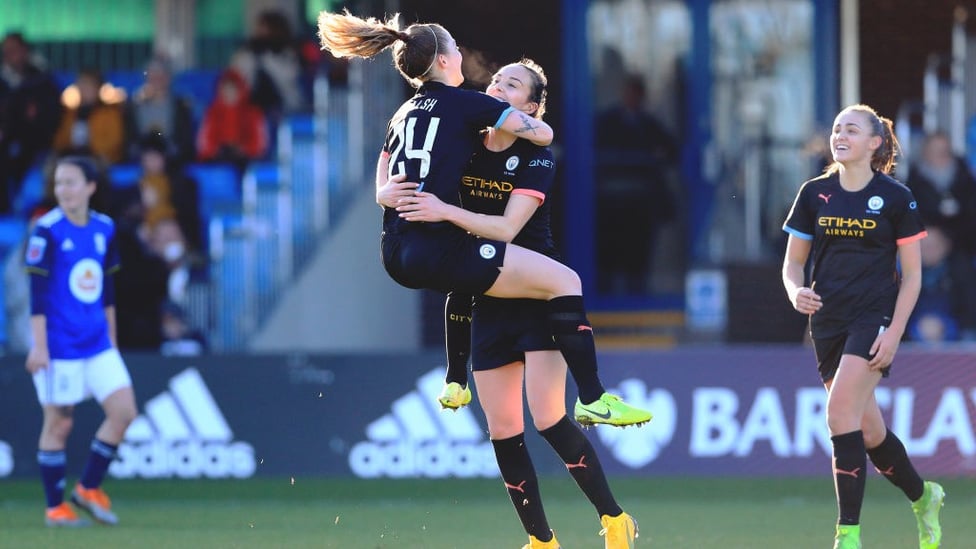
<point>233,129</point>
<point>946,308</point>
<point>156,109</point>
<point>90,124</point>
<point>30,110</point>
<point>163,176</point>
<point>633,199</point>
<point>272,66</point>
<point>946,194</point>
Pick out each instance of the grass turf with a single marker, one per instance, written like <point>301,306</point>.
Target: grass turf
<point>680,513</point>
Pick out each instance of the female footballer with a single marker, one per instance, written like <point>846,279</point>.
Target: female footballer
<point>503,193</point>
<point>863,230</point>
<point>429,141</point>
<point>71,257</point>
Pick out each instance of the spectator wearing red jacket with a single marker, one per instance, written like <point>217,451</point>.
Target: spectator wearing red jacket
<point>233,129</point>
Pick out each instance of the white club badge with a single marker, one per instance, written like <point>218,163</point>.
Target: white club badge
<point>85,280</point>
<point>511,163</point>
<point>487,251</point>
<point>875,203</point>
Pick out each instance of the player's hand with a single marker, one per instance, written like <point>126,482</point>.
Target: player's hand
<point>807,301</point>
<point>394,190</point>
<point>423,207</point>
<point>883,350</point>
<point>37,359</point>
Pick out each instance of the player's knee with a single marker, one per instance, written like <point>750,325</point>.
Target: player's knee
<point>840,421</point>
<point>58,427</point>
<point>122,416</point>
<point>570,283</point>
<point>873,436</point>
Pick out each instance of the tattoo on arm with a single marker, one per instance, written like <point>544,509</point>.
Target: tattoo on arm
<point>526,124</point>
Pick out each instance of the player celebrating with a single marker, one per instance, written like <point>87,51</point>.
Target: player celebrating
<point>503,194</point>
<point>861,226</point>
<point>429,141</point>
<point>71,256</point>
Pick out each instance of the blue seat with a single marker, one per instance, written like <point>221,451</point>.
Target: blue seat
<point>130,81</point>
<point>197,85</point>
<point>12,231</point>
<point>123,176</point>
<point>219,187</point>
<point>31,191</point>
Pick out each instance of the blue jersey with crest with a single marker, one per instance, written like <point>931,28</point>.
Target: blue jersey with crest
<point>76,260</point>
<point>855,239</point>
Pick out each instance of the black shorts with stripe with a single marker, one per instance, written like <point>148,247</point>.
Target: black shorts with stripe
<point>442,257</point>
<point>503,330</point>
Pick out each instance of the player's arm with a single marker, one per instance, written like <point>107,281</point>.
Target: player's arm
<point>804,299</point>
<point>522,125</point>
<point>427,207</point>
<point>39,355</point>
<point>390,190</point>
<point>886,344</point>
<point>108,302</point>
<point>38,266</point>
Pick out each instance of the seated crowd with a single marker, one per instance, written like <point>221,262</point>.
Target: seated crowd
<point>154,136</point>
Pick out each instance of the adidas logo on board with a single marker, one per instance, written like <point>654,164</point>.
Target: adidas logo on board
<point>183,433</point>
<point>416,439</point>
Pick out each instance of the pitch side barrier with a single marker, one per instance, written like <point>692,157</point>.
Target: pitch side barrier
<point>718,411</point>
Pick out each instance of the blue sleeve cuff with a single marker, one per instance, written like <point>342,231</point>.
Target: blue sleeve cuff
<point>504,115</point>
<point>798,234</point>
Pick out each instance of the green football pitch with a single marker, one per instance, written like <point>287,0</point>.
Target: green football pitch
<point>693,513</point>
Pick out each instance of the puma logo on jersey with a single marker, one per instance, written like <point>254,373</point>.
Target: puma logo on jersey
<point>826,197</point>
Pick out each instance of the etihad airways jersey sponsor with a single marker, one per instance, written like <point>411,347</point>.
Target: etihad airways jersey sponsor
<point>855,242</point>
<point>491,179</point>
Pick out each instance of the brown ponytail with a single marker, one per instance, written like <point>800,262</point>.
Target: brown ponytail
<point>885,156</point>
<point>414,49</point>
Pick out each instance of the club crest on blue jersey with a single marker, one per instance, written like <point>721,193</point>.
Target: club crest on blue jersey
<point>100,243</point>
<point>35,249</point>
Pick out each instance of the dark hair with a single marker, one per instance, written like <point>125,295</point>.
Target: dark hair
<point>415,49</point>
<point>885,156</point>
<point>86,164</point>
<point>17,37</point>
<point>539,84</point>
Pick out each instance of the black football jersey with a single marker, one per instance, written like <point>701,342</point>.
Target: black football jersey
<point>855,242</point>
<point>433,134</point>
<point>491,178</point>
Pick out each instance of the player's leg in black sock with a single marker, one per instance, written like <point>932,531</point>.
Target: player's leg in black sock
<point>457,337</point>
<point>522,484</point>
<point>849,475</point>
<point>891,460</point>
<point>581,460</point>
<point>574,336</point>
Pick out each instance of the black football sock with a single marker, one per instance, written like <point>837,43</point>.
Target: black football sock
<point>849,475</point>
<point>522,484</point>
<point>574,336</point>
<point>457,337</point>
<point>583,464</point>
<point>891,460</point>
